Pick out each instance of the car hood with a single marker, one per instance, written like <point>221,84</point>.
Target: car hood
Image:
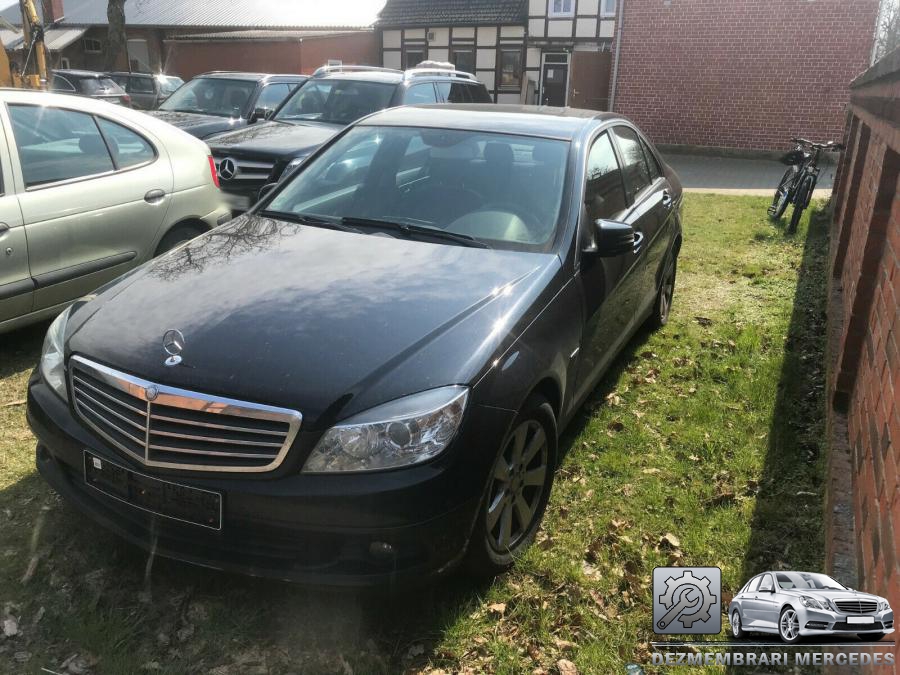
<point>832,595</point>
<point>325,322</point>
<point>274,139</point>
<point>199,125</point>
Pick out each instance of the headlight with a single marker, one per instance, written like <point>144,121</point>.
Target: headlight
<point>883,606</point>
<point>52,366</point>
<point>812,602</point>
<point>407,431</point>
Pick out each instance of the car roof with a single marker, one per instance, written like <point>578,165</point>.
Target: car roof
<point>257,77</point>
<point>127,74</point>
<point>529,120</point>
<point>387,76</point>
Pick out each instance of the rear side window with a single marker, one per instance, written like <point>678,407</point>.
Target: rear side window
<point>61,84</point>
<point>604,193</point>
<point>128,148</point>
<point>56,145</point>
<point>479,93</point>
<point>100,85</point>
<point>141,85</point>
<point>420,94</point>
<point>652,164</point>
<point>455,92</point>
<point>634,164</point>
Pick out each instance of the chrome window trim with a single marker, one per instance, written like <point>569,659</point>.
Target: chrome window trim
<point>186,400</point>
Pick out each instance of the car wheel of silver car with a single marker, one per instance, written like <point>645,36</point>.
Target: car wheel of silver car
<point>737,629</point>
<point>789,625</point>
<point>177,235</point>
<point>517,492</point>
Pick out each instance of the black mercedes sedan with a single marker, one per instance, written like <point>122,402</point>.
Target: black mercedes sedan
<point>362,380</point>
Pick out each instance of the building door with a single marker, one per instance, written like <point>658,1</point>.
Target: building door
<point>555,79</point>
<point>589,80</point>
<point>139,56</point>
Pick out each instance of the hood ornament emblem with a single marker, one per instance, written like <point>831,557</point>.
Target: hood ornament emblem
<point>173,343</point>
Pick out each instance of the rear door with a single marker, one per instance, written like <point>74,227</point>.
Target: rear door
<point>93,194</point>
<point>142,92</point>
<point>647,193</point>
<point>16,286</point>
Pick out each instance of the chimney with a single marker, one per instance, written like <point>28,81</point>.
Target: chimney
<point>52,10</point>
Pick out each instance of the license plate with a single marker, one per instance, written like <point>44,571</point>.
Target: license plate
<point>160,497</point>
<point>860,619</point>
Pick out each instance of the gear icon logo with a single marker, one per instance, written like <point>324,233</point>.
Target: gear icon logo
<point>687,600</point>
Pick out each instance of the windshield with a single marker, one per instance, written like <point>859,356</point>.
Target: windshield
<point>211,96</point>
<point>501,190</point>
<point>336,101</point>
<point>100,85</point>
<point>168,84</point>
<point>806,580</point>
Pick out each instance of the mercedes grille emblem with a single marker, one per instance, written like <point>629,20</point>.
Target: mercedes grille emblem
<point>151,393</point>
<point>228,169</point>
<point>173,343</point>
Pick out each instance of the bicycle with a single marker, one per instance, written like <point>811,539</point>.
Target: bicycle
<point>800,178</point>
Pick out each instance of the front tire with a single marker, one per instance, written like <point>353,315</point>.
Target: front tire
<point>517,492</point>
<point>782,194</point>
<point>801,201</point>
<point>789,625</point>
<point>737,628</point>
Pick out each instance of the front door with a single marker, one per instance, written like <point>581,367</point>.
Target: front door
<point>555,80</point>
<point>589,80</point>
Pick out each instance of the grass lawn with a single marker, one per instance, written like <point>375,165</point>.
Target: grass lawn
<point>700,447</point>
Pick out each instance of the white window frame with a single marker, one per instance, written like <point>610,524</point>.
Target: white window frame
<point>92,41</point>
<point>64,63</point>
<point>563,14</point>
<point>608,8</point>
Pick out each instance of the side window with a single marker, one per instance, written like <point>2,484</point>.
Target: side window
<point>455,92</point>
<point>479,93</point>
<point>652,163</point>
<point>604,194</point>
<point>141,85</point>
<point>272,96</point>
<point>56,144</point>
<point>120,80</point>
<point>61,84</point>
<point>753,585</point>
<point>637,175</point>
<point>421,93</point>
<point>128,149</point>
<point>766,583</point>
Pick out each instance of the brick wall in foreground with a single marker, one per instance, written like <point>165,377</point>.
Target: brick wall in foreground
<point>864,320</point>
<point>745,74</point>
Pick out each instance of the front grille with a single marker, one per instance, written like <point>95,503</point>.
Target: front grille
<point>858,627</point>
<point>856,606</point>
<point>245,171</point>
<point>172,428</point>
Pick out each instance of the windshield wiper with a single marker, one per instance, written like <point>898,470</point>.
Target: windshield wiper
<point>306,219</point>
<point>410,230</point>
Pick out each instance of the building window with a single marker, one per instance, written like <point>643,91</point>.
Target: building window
<point>607,7</point>
<point>560,8</point>
<point>463,59</point>
<point>64,63</point>
<point>510,68</point>
<point>92,46</point>
<point>413,56</point>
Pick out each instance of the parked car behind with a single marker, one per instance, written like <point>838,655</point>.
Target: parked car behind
<point>250,158</point>
<point>363,379</point>
<point>89,192</point>
<point>223,101</point>
<point>90,84</point>
<point>147,90</point>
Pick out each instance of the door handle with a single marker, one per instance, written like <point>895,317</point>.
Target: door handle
<point>667,199</point>
<point>154,196</point>
<point>638,241</point>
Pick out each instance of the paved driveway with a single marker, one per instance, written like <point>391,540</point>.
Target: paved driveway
<point>727,175</point>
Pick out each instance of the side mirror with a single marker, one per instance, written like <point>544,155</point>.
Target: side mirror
<point>612,238</point>
<point>260,114</point>
<point>265,190</point>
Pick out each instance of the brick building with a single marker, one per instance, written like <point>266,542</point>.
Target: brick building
<point>742,74</point>
<point>184,38</point>
<point>864,341</point>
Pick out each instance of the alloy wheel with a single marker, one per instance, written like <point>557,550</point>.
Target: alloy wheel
<point>665,297</point>
<point>789,625</point>
<point>736,624</point>
<point>517,486</point>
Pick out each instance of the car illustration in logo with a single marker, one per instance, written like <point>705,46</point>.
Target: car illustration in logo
<point>799,604</point>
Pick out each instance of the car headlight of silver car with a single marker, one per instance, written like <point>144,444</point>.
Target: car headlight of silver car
<point>52,356</point>
<point>404,432</point>
<point>812,602</point>
<point>883,606</point>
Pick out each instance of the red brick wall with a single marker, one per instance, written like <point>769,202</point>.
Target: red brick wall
<point>865,370</point>
<point>745,74</point>
<point>187,59</point>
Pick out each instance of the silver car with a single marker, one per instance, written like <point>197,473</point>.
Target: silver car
<point>798,604</point>
<point>88,191</point>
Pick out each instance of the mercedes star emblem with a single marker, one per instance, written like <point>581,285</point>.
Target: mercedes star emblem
<point>228,169</point>
<point>173,343</point>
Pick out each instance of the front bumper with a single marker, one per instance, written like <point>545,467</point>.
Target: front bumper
<point>826,622</point>
<point>291,526</point>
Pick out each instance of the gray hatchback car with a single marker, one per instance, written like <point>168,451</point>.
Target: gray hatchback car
<point>798,604</point>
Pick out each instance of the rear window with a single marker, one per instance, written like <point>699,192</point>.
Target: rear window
<point>100,85</point>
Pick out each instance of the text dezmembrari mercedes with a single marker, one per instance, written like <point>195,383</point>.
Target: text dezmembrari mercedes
<point>362,380</point>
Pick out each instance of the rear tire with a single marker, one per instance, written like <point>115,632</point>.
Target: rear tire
<point>500,536</point>
<point>801,201</point>
<point>662,306</point>
<point>176,236</point>
<point>782,194</point>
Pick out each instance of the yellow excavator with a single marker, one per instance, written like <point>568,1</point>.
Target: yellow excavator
<point>35,52</point>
